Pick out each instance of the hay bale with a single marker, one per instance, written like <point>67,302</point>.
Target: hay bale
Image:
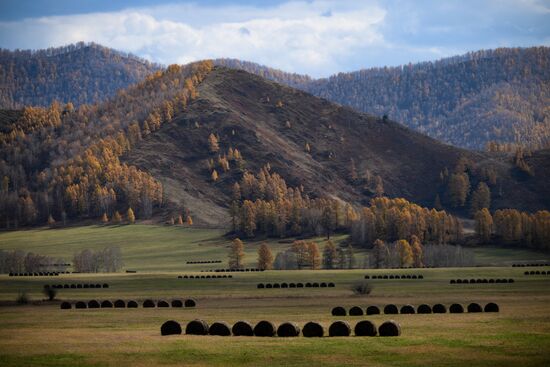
<point>190,303</point>
<point>105,285</point>
<point>474,307</point>
<point>80,304</point>
<point>452,281</point>
<point>407,309</point>
<point>367,276</point>
<point>148,303</point>
<point>373,310</point>
<point>242,328</point>
<point>163,303</point>
<point>479,280</point>
<point>391,309</point>
<point>120,304</point>
<point>308,285</point>
<point>284,285</point>
<point>264,328</point>
<point>73,286</point>
<point>323,285</point>
<point>439,308</point>
<point>331,285</point>
<point>491,280</point>
<point>356,311</point>
<point>288,329</point>
<point>424,309</point>
<point>421,277</point>
<point>170,328</point>
<point>66,305</point>
<point>93,304</point>
<point>177,303</point>
<point>491,307</point>
<point>339,311</point>
<point>365,328</point>
<point>197,327</point>
<point>313,330</point>
<point>339,328</point>
<point>79,286</point>
<point>268,286</point>
<point>132,304</point>
<point>299,285</point>
<point>459,281</point>
<point>292,285</point>
<point>510,280</point>
<point>315,285</point>
<point>220,328</point>
<point>456,308</point>
<point>389,328</point>
<point>106,304</point>
<point>261,286</point>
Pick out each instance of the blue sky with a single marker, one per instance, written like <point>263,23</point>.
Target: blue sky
<point>317,37</point>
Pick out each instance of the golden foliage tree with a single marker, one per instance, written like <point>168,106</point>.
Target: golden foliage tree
<point>117,218</point>
<point>213,144</point>
<point>131,216</point>
<point>405,253</point>
<point>417,252</point>
<point>236,254</point>
<point>265,257</point>
<point>484,225</point>
<point>330,254</point>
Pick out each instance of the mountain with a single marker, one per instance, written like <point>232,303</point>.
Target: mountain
<point>80,73</point>
<point>497,95</point>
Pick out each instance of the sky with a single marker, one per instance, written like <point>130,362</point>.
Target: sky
<point>315,37</point>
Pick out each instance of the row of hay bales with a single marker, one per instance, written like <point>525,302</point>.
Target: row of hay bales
<point>478,281</point>
<point>392,309</point>
<point>76,286</point>
<point>148,303</point>
<point>204,276</point>
<point>537,272</point>
<point>37,274</point>
<point>285,329</point>
<point>395,276</point>
<point>529,265</point>
<point>204,262</point>
<point>233,270</point>
<point>296,285</point>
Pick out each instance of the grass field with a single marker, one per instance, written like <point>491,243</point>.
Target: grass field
<point>40,334</point>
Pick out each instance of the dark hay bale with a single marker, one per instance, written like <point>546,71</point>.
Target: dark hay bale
<point>498,281</point>
<point>459,281</point>
<point>510,280</point>
<point>292,285</point>
<point>409,277</point>
<point>385,277</point>
<point>391,309</point>
<point>132,304</point>
<point>414,277</point>
<point>452,281</point>
<point>93,304</point>
<point>315,285</point>
<point>331,285</point>
<point>80,304</point>
<point>439,308</point>
<point>177,303</point>
<point>491,280</point>
<point>98,285</point>
<point>197,327</point>
<point>367,276</point>
<point>479,281</point>
<point>373,310</point>
<point>339,311</point>
<point>220,328</point>
<point>73,286</point>
<point>365,328</point>
<point>120,304</point>
<point>106,304</point>
<point>269,286</point>
<point>190,303</point>
<point>472,281</point>
<point>407,309</point>
<point>261,286</point>
<point>474,307</point>
<point>288,329</point>
<point>148,303</point>
<point>323,285</point>
<point>264,328</point>
<point>105,285</point>
<point>421,277</point>
<point>391,276</point>
<point>526,273</point>
<point>537,272</point>
<point>339,328</point>
<point>242,328</point>
<point>532,272</point>
<point>485,281</point>
<point>79,286</point>
<point>389,328</point>
<point>86,286</point>
<point>163,303</point>
<point>456,308</point>
<point>356,311</point>
<point>424,309</point>
<point>313,329</point>
<point>170,328</point>
<point>491,307</point>
<point>65,305</point>
<point>465,281</point>
<point>299,285</point>
<point>284,285</point>
<point>308,285</point>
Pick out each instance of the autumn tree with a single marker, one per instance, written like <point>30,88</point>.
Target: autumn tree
<point>51,221</point>
<point>104,218</point>
<point>180,220</point>
<point>214,176</point>
<point>131,216</point>
<point>189,220</point>
<point>417,252</point>
<point>350,256</point>
<point>330,254</point>
<point>117,218</point>
<point>213,143</point>
<point>405,253</point>
<point>481,198</point>
<point>379,254</point>
<point>236,254</point>
<point>484,225</point>
<point>301,250</point>
<point>458,189</point>
<point>314,255</point>
<point>265,257</point>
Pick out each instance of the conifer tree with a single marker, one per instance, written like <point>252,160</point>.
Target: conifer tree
<point>213,143</point>
<point>131,216</point>
<point>265,257</point>
<point>104,218</point>
<point>417,252</point>
<point>481,198</point>
<point>117,218</point>
<point>484,225</point>
<point>214,175</point>
<point>405,253</point>
<point>236,254</point>
<point>314,255</point>
<point>189,220</point>
<point>180,220</point>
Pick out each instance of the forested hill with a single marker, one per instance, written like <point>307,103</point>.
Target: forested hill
<point>498,95</point>
<point>80,73</point>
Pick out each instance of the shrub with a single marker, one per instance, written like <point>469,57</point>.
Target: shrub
<point>50,293</point>
<point>389,328</point>
<point>373,310</point>
<point>170,328</point>
<point>220,328</point>
<point>356,311</point>
<point>197,327</point>
<point>391,309</point>
<point>242,328</point>
<point>365,328</point>
<point>288,329</point>
<point>339,311</point>
<point>264,328</point>
<point>361,288</point>
<point>339,328</point>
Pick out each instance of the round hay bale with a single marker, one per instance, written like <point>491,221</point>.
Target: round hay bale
<point>389,328</point>
<point>170,328</point>
<point>242,328</point>
<point>106,304</point>
<point>73,286</point>
<point>132,304</point>
<point>220,328</point>
<point>288,329</point>
<point>339,328</point>
<point>79,286</point>
<point>491,280</point>
<point>485,281</point>
<point>414,277</point>
<point>472,281</point>
<point>356,311</point>
<point>93,304</point>
<point>424,309</point>
<point>66,305</point>
<point>456,308</point>
<point>526,273</point>
<point>407,309</point>
<point>510,280</point>
<point>459,281</point>
<point>148,303</point>
<point>491,307</point>
<point>391,276</point>
<point>299,285</point>
<point>98,285</point>
<point>308,285</point>
<point>105,285</point>
<point>268,286</point>
<point>367,276</point>
<point>452,281</point>
<point>197,327</point>
<point>391,309</point>
<point>264,328</point>
<point>323,285</point>
<point>421,277</point>
<point>120,304</point>
<point>292,285</point>
<point>284,285</point>
<point>163,303</point>
<point>261,286</point>
<point>86,286</point>
<point>385,277</point>
<point>177,303</point>
<point>339,311</point>
<point>465,281</point>
<point>313,329</point>
<point>474,307</point>
<point>439,308</point>
<point>373,310</point>
<point>315,285</point>
<point>331,285</point>
<point>190,303</point>
<point>80,304</point>
<point>409,277</point>
<point>365,328</point>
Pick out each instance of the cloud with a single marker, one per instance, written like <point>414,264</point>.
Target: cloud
<point>315,37</point>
